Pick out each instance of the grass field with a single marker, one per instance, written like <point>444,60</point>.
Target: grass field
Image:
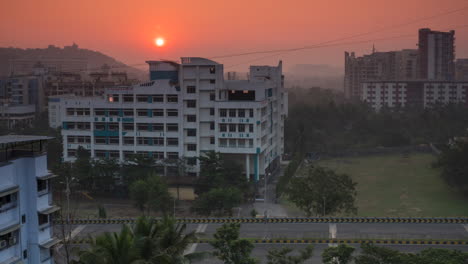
<point>399,185</point>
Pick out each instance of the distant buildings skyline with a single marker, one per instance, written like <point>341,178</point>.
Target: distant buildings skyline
<point>433,60</point>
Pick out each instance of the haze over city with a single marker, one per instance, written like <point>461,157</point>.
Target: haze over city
<point>126,30</point>
<point>235,132</point>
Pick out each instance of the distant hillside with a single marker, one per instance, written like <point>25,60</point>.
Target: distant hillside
<point>95,59</point>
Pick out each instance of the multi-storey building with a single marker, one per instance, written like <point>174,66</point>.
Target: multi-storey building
<point>419,94</point>
<point>461,67</point>
<point>436,55</point>
<point>184,110</point>
<point>26,234</point>
<point>17,116</point>
<point>392,65</point>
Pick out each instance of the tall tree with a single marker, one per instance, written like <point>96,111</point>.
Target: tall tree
<point>322,192</point>
<point>151,193</point>
<point>230,248</point>
<point>218,200</point>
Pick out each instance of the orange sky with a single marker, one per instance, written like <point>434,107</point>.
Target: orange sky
<point>126,29</point>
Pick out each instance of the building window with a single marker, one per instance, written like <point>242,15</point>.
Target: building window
<point>142,112</point>
<point>251,112</point>
<point>223,128</point>
<point>158,141</point>
<point>172,155</point>
<point>212,96</point>
<point>100,153</point>
<point>232,112</point>
<point>212,140</point>
<point>241,127</point>
<point>158,127</point>
<point>114,154</point>
<point>212,70</point>
<point>172,141</point>
<point>222,112</point>
<point>158,155</point>
<point>128,112</point>
<point>70,111</point>
<point>142,98</point>
<point>99,126</point>
<point>128,126</point>
<point>158,112</point>
<point>113,126</point>
<point>143,141</point>
<point>128,98</point>
<point>43,219</point>
<point>114,140</point>
<point>212,111</point>
<point>232,128</point>
<point>212,125</point>
<point>223,142</point>
<point>100,140</point>
<point>191,118</point>
<point>128,154</point>
<point>191,147</point>
<point>241,113</point>
<point>191,89</point>
<point>251,128</point>
<point>99,112</point>
<point>172,112</point>
<point>172,98</point>
<point>191,103</point>
<point>114,112</point>
<point>8,201</point>
<point>172,127</point>
<point>9,239</point>
<point>143,127</point>
<point>159,98</point>
<point>191,132</point>
<point>212,81</point>
<point>71,153</point>
<point>128,140</point>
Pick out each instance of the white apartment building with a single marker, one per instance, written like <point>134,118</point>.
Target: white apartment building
<point>420,94</point>
<point>25,201</point>
<point>184,110</point>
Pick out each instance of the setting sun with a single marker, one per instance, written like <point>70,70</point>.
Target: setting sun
<point>159,42</point>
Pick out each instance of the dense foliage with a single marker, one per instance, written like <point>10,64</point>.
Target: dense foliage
<point>320,191</point>
<point>148,241</point>
<point>231,249</point>
<point>322,121</point>
<point>453,162</point>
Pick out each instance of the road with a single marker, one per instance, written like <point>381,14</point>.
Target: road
<point>302,231</point>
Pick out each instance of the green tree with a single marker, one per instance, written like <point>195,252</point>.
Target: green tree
<point>454,168</point>
<point>151,193</point>
<point>215,172</point>
<point>111,248</point>
<point>281,256</point>
<point>341,254</point>
<point>218,200</point>
<point>230,248</point>
<point>323,192</point>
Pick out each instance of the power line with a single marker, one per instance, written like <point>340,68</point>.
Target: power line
<point>344,38</point>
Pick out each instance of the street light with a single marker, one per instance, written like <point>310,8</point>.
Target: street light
<point>265,192</point>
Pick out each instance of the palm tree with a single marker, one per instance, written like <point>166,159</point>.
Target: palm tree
<point>111,248</point>
<point>146,242</point>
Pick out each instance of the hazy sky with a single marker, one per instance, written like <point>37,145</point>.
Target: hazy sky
<point>126,29</point>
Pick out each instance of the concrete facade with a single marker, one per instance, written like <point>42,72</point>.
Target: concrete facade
<point>184,110</point>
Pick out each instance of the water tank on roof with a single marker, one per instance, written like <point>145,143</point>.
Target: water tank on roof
<point>163,70</point>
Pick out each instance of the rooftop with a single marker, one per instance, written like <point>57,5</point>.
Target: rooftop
<point>13,139</point>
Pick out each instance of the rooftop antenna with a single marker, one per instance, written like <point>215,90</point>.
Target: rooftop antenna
<point>373,48</point>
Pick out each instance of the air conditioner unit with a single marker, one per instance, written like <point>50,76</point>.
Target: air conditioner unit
<point>13,240</point>
<point>3,244</point>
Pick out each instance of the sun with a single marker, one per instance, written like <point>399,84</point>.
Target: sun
<point>159,42</point>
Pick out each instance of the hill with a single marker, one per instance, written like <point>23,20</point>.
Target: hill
<point>95,59</point>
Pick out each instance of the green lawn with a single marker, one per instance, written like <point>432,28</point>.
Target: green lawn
<point>398,185</point>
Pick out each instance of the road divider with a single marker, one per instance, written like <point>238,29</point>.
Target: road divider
<point>330,241</point>
<point>336,220</point>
